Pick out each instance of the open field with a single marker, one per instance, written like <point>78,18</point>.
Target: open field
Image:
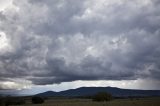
<point>88,102</point>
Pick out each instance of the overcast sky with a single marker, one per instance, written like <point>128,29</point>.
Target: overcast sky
<point>62,44</point>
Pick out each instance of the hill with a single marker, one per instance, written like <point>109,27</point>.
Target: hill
<point>86,91</point>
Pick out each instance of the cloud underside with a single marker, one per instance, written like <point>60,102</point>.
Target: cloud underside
<point>54,41</point>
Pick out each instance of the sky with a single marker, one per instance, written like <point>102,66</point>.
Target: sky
<point>64,44</point>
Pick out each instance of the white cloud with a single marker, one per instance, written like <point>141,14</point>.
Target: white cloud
<point>4,4</point>
<point>18,85</point>
<point>4,44</point>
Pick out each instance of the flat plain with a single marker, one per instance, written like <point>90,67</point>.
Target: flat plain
<point>88,102</point>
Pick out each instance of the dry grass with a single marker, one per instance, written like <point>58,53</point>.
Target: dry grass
<point>87,102</point>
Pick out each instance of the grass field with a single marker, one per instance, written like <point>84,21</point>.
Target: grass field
<point>88,102</point>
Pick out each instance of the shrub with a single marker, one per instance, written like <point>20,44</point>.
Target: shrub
<point>102,96</point>
<point>2,102</point>
<point>37,100</point>
<point>14,101</point>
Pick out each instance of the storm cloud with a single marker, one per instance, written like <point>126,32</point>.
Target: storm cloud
<point>54,41</point>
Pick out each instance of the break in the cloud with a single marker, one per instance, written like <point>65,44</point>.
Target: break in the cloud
<point>54,41</point>
<point>4,4</point>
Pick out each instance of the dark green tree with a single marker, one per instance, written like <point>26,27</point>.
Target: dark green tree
<point>102,96</point>
<point>37,100</point>
<point>14,101</point>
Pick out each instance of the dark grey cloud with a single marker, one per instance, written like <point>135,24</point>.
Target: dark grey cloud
<point>56,41</point>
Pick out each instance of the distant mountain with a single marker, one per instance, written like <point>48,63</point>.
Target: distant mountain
<point>88,91</point>
<point>48,93</point>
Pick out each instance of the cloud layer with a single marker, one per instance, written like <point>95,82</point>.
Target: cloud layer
<point>54,41</point>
